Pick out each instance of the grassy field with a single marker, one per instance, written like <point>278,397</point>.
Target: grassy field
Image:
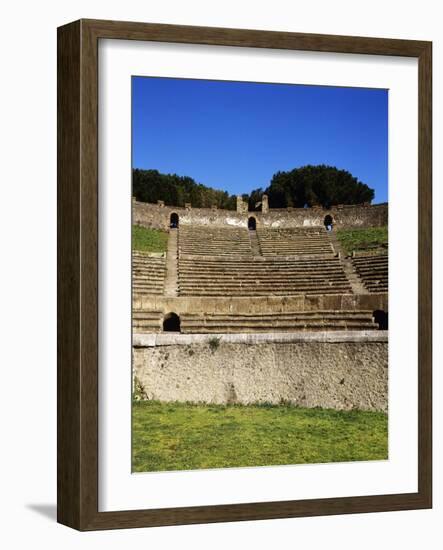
<point>179,436</point>
<point>149,240</point>
<point>363,239</point>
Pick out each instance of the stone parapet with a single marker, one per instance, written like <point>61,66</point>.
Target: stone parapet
<point>317,370</point>
<point>158,216</point>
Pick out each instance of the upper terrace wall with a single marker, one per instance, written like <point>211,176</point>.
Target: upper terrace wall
<point>153,215</point>
<point>261,305</point>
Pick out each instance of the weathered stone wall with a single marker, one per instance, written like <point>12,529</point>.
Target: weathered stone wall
<point>340,371</point>
<point>262,304</point>
<point>153,215</point>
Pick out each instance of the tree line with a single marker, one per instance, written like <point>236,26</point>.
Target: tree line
<point>302,187</point>
<point>174,190</point>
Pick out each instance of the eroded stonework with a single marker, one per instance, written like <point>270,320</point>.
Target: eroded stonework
<point>153,215</point>
<point>343,375</point>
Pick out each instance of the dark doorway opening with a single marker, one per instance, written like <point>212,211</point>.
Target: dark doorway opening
<point>171,323</point>
<point>328,221</point>
<point>252,223</point>
<point>381,318</point>
<point>173,223</point>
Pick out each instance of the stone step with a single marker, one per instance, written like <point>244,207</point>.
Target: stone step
<point>253,268</point>
<point>268,283</point>
<point>378,288</point>
<point>299,285</point>
<point>274,253</point>
<point>149,265</point>
<point>146,322</point>
<point>195,240</point>
<point>148,269</point>
<point>312,320</point>
<point>147,277</point>
<point>376,277</point>
<point>370,264</point>
<point>373,271</point>
<point>145,266</point>
<point>373,258</point>
<point>268,245</point>
<point>148,274</point>
<point>152,256</point>
<point>143,314</point>
<point>268,275</point>
<point>144,262</point>
<point>363,265</point>
<point>300,315</point>
<point>147,290</point>
<point>258,267</point>
<point>209,252</point>
<point>262,261</point>
<point>280,328</point>
<point>229,274</point>
<point>263,292</point>
<point>147,284</point>
<point>144,287</point>
<point>274,323</point>
<point>140,292</point>
<point>210,249</point>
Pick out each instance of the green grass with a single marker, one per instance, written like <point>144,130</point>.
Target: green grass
<point>149,240</point>
<point>371,238</point>
<point>181,436</point>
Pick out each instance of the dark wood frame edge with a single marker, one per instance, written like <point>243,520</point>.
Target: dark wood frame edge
<point>77,314</point>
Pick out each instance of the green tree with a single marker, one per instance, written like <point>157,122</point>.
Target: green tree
<point>306,186</point>
<point>175,190</point>
<point>316,185</point>
<point>254,200</point>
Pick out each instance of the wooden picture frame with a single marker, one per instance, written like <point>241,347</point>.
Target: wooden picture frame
<point>78,274</point>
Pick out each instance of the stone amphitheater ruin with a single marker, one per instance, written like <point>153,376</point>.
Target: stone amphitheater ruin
<point>249,307</point>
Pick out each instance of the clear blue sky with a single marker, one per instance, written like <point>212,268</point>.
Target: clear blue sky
<point>235,135</point>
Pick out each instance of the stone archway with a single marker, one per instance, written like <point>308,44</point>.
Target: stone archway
<point>328,222</point>
<point>171,323</point>
<point>381,318</point>
<point>252,223</point>
<point>173,221</point>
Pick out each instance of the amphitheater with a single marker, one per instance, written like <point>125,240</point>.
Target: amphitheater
<point>250,307</point>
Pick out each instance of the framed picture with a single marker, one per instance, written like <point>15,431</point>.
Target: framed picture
<point>230,345</point>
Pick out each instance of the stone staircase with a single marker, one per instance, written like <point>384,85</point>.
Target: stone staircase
<point>255,245</point>
<point>294,242</point>
<point>258,276</point>
<point>373,271</point>
<point>348,267</point>
<point>171,277</point>
<point>148,273</point>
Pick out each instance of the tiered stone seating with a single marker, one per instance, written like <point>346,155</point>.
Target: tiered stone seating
<point>147,321</point>
<point>257,276</point>
<point>213,241</point>
<point>278,322</point>
<point>373,271</point>
<point>148,273</point>
<point>290,242</point>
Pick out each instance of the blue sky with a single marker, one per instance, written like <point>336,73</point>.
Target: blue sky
<point>235,135</point>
